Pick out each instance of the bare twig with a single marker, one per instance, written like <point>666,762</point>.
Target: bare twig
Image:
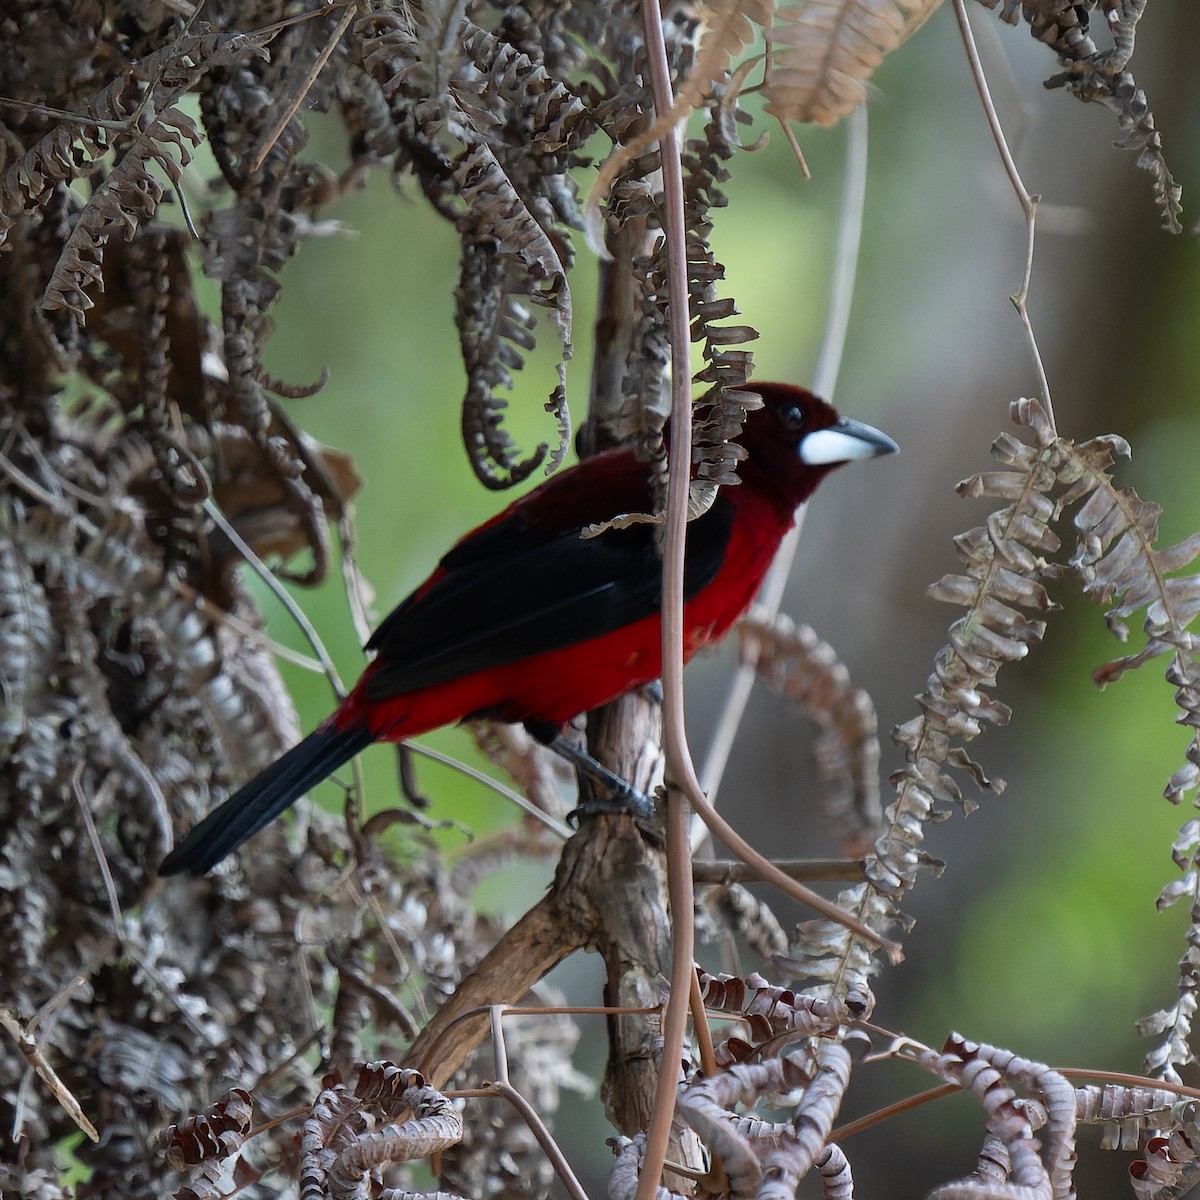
<point>1028,203</point>
<point>355,599</point>
<point>57,1001</point>
<point>39,1063</point>
<point>61,114</point>
<point>110,888</point>
<point>770,874</point>
<point>681,774</point>
<point>871,1119</point>
<point>555,826</point>
<point>811,870</point>
<point>280,593</point>
<point>502,1087</point>
<point>704,1041</point>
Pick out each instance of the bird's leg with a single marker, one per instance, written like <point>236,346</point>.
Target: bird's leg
<point>623,797</point>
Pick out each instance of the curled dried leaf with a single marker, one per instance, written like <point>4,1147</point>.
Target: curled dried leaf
<point>216,1135</point>
<point>773,1016</point>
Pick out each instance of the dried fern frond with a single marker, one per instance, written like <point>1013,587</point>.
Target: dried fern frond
<point>773,1015</point>
<point>1128,1113</point>
<point>828,962</point>
<point>1007,565</point>
<point>490,135</point>
<point>726,911</point>
<point>340,1145</point>
<point>1102,77</point>
<point>162,135</point>
<point>1004,561</point>
<point>795,663</point>
<point>129,196</point>
<point>27,639</point>
<point>729,28</point>
<point>719,415</point>
<point>752,1152</point>
<point>214,1135</point>
<point>823,52</point>
<point>1013,1158</point>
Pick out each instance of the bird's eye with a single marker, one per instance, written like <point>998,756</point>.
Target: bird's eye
<point>792,416</point>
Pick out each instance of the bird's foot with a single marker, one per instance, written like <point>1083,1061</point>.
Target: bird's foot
<point>622,795</point>
<point>622,798</point>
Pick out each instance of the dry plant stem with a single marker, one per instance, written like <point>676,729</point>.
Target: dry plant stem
<point>680,772</point>
<point>680,998</point>
<point>61,114</point>
<point>56,1001</point>
<point>505,1090</point>
<point>110,887</point>
<point>352,578</point>
<point>499,1049</point>
<point>301,1110</point>
<point>502,1087</point>
<point>824,870</point>
<point>725,832</point>
<point>1120,1077</point>
<point>38,1063</point>
<point>845,263</point>
<point>304,88</point>
<point>829,362</point>
<point>555,826</point>
<point>1028,203</point>
<point>704,1041</point>
<point>675,745</point>
<point>892,1110</point>
<point>281,594</point>
<point>545,1139</point>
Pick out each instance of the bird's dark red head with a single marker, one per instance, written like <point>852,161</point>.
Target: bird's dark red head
<point>796,439</point>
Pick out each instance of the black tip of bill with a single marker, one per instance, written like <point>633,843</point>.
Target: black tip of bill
<point>847,441</point>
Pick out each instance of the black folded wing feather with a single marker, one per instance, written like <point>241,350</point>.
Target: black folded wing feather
<point>512,590</point>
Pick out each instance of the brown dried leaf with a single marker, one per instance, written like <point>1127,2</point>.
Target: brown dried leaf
<point>258,504</point>
<point>823,52</point>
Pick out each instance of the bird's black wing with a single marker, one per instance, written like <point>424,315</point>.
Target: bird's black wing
<point>512,590</point>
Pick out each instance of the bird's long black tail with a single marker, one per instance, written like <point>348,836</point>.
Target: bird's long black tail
<point>266,795</point>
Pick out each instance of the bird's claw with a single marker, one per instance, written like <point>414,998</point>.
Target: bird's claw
<point>623,799</point>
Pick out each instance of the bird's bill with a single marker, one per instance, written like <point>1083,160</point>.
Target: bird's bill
<point>847,441</point>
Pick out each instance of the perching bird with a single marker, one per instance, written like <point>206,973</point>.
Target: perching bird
<point>526,620</point>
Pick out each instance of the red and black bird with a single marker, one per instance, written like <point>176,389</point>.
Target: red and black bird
<point>526,620</point>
